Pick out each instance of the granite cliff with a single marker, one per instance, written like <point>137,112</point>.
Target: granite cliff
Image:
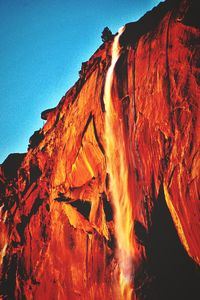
<point>58,216</point>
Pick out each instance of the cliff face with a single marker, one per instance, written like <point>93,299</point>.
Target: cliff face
<point>58,222</point>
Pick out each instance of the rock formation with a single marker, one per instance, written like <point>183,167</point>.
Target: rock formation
<point>58,216</point>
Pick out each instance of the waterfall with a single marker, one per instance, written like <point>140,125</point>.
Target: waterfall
<point>117,168</point>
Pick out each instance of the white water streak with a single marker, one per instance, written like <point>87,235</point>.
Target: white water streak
<point>117,167</point>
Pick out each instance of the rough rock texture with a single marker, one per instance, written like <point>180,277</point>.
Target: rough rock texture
<point>57,236</point>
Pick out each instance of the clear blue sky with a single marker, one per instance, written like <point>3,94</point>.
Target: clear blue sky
<point>42,46</point>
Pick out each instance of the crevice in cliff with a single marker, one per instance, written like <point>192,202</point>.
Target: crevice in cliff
<point>97,137</point>
<point>83,133</point>
<point>89,183</point>
<point>86,125</point>
<point>108,210</point>
<point>25,220</point>
<point>89,143</point>
<point>82,206</point>
<point>102,96</point>
<point>92,118</point>
<point>167,149</point>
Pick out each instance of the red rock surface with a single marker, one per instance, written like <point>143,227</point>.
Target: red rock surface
<point>57,230</point>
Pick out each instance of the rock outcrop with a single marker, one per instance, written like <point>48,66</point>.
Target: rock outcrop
<point>57,217</point>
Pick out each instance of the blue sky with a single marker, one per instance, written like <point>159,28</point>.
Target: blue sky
<point>42,46</point>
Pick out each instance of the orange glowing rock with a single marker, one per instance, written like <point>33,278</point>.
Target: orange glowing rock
<point>70,230</point>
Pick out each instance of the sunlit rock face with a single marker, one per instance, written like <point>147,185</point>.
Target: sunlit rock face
<point>59,236</point>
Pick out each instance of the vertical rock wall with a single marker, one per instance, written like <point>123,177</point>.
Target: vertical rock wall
<point>57,232</point>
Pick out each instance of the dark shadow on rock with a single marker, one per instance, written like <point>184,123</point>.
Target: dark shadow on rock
<point>11,165</point>
<point>168,272</point>
<point>82,207</point>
